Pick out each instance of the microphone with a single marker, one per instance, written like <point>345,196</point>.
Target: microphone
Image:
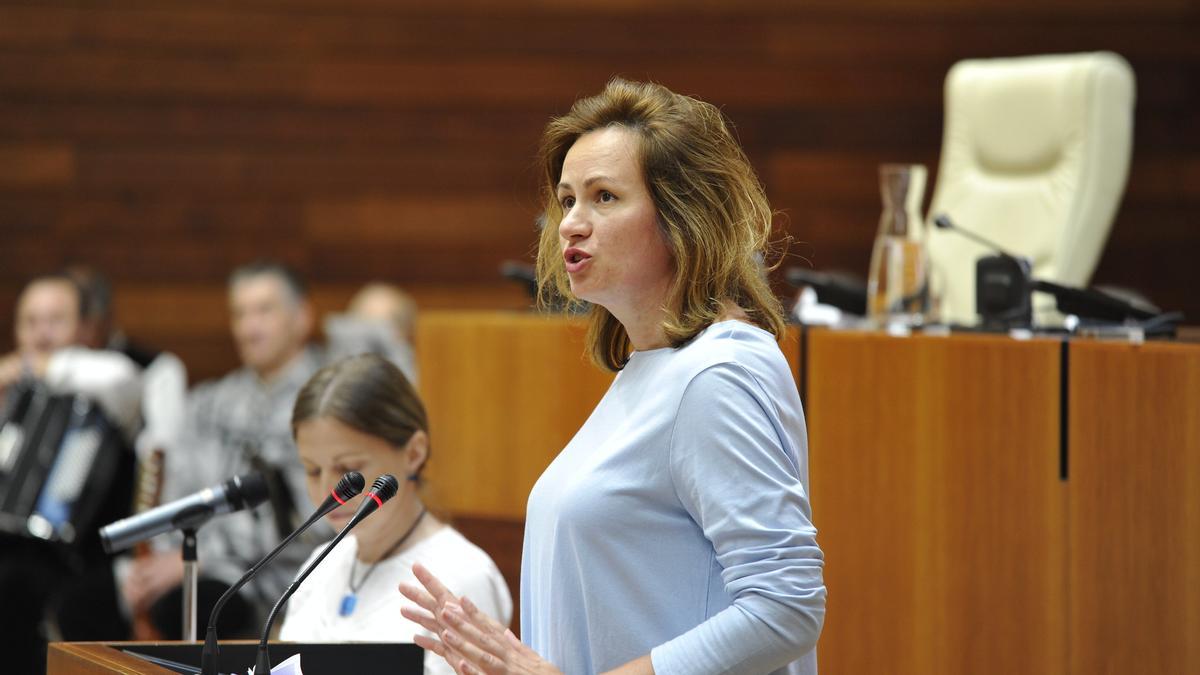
<point>240,492</point>
<point>384,488</point>
<point>839,289</point>
<point>1003,283</point>
<point>346,489</point>
<point>522,273</point>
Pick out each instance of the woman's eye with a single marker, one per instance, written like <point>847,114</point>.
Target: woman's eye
<point>606,196</point>
<point>567,203</point>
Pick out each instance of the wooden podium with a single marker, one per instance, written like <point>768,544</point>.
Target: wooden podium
<point>106,658</point>
<point>95,658</point>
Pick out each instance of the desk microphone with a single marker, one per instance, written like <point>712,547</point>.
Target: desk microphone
<point>522,273</point>
<point>384,488</point>
<point>1003,283</point>
<point>346,489</point>
<point>240,492</point>
<point>839,289</point>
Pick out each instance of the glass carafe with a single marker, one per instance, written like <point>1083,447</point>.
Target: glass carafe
<point>898,288</point>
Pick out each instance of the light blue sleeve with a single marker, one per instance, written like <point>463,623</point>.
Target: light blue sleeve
<point>735,478</point>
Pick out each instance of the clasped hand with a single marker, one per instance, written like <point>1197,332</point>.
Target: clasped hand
<point>472,642</point>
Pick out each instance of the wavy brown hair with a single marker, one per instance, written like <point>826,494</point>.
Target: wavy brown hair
<point>712,213</point>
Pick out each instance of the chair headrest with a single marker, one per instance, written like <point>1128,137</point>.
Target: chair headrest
<point>1021,114</point>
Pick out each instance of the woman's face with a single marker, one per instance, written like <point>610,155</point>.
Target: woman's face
<point>615,255</point>
<point>329,449</point>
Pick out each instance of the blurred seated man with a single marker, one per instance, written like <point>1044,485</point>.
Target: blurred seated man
<point>234,425</point>
<point>49,353</point>
<point>380,319</point>
<point>49,332</point>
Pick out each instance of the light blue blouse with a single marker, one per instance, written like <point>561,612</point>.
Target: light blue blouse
<point>677,521</point>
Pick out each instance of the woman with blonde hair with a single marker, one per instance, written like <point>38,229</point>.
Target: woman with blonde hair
<point>361,414</point>
<point>673,534</point>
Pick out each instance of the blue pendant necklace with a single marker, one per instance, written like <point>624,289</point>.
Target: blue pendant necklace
<point>350,599</point>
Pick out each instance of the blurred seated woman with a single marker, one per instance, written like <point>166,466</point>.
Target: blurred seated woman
<point>361,414</point>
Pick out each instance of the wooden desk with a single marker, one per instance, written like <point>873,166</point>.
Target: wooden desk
<point>505,392</point>
<point>1134,542</point>
<point>966,533</point>
<point>937,496</point>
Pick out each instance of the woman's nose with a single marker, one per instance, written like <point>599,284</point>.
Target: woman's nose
<point>574,225</point>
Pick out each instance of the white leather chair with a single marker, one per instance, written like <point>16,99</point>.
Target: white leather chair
<point>1035,154</point>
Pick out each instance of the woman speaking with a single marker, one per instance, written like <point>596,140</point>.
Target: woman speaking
<point>673,534</point>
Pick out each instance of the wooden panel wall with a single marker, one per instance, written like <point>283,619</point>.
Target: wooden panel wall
<point>166,141</point>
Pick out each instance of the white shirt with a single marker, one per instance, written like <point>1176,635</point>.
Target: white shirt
<point>313,612</point>
<point>109,378</point>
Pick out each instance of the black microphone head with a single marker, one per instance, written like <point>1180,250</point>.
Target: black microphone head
<point>518,271</point>
<point>350,486</point>
<point>943,221</point>
<point>247,491</point>
<point>385,487</point>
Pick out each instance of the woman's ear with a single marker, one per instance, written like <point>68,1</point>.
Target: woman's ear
<point>416,451</point>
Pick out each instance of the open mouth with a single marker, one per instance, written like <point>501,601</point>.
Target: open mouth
<point>575,259</point>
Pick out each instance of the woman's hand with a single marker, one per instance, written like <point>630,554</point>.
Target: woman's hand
<point>472,642</point>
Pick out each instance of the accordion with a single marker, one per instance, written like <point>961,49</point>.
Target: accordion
<point>65,468</point>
